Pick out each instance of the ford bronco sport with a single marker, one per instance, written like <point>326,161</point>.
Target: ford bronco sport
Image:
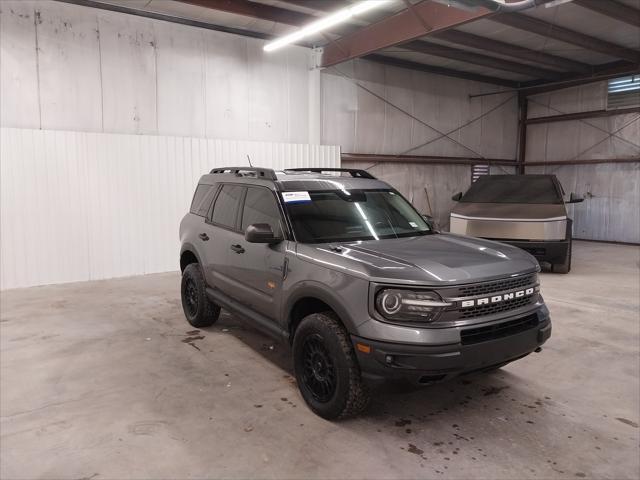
<point>344,269</point>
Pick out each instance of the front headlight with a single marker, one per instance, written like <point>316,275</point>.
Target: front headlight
<point>408,305</point>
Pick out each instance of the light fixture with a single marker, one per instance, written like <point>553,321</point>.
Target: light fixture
<point>324,23</point>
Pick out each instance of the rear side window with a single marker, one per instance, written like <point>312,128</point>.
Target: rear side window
<point>260,207</point>
<point>225,209</point>
<point>202,200</point>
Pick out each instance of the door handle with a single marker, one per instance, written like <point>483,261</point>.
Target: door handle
<point>237,248</point>
<point>204,236</point>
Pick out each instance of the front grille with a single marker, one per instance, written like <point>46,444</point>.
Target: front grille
<point>470,336</point>
<point>498,286</point>
<point>489,309</point>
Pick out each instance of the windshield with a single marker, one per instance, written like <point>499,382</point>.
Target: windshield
<point>513,189</point>
<point>330,216</point>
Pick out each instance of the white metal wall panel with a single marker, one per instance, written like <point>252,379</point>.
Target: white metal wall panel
<point>109,72</point>
<point>69,69</point>
<point>84,206</point>
<point>19,103</point>
<point>227,71</point>
<point>128,69</point>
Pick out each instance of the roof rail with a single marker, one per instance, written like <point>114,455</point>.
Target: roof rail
<point>355,172</point>
<point>265,173</point>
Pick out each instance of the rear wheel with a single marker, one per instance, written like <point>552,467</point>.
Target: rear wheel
<point>198,309</point>
<point>326,368</point>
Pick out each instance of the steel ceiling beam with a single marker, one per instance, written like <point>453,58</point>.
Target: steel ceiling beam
<point>401,27</point>
<point>423,67</point>
<point>466,56</point>
<point>542,28</point>
<point>424,159</point>
<point>613,9</point>
<point>319,5</point>
<point>511,50</point>
<point>256,10</point>
<point>589,161</point>
<point>566,117</point>
<point>167,18</point>
<point>600,73</point>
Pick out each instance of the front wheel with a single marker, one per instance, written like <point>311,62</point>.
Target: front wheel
<point>198,309</point>
<point>326,368</point>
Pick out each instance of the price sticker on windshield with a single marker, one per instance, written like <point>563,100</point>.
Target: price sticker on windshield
<point>296,197</point>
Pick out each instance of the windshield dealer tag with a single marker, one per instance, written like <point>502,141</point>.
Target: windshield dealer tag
<point>296,197</point>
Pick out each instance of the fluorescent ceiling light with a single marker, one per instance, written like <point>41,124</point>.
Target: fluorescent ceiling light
<point>324,23</point>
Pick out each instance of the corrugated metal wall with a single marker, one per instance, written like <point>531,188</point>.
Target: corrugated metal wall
<point>359,100</point>
<point>380,109</point>
<point>68,67</point>
<point>611,191</point>
<point>83,206</point>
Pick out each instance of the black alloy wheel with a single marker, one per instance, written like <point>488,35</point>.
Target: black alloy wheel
<point>319,371</point>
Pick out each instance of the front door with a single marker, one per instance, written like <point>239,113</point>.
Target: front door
<point>257,269</point>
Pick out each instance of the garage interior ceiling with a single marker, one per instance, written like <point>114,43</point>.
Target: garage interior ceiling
<point>554,44</point>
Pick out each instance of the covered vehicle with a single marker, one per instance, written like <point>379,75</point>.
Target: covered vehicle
<point>527,211</point>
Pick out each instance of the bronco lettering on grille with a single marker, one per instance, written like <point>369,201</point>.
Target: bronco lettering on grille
<point>497,298</point>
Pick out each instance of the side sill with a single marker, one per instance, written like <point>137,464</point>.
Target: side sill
<point>261,322</point>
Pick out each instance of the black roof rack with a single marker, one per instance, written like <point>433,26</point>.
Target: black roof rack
<point>266,173</point>
<point>357,173</point>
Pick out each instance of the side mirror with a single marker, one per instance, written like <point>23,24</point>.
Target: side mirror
<point>457,197</point>
<point>261,233</point>
<point>575,198</point>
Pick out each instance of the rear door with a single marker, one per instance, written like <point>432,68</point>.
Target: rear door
<point>257,269</point>
<point>218,233</point>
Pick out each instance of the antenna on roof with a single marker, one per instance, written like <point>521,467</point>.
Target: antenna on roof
<point>249,158</point>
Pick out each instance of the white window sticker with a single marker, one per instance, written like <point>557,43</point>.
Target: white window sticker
<point>413,224</point>
<point>296,197</point>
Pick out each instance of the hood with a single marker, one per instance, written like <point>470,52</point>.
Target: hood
<point>511,211</point>
<point>429,260</point>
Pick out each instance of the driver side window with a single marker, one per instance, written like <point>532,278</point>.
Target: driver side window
<point>260,207</point>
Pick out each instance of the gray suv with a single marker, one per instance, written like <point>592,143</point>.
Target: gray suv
<point>341,267</point>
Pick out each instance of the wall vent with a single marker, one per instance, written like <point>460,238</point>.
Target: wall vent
<point>623,92</point>
<point>478,170</point>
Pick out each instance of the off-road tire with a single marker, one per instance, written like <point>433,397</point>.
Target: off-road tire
<point>193,288</point>
<point>564,267</point>
<point>350,396</point>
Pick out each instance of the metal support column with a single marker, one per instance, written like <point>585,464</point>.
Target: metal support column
<point>522,130</point>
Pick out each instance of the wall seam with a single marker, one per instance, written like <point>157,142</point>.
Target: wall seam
<point>36,19</point>
<point>100,68</point>
<point>205,55</point>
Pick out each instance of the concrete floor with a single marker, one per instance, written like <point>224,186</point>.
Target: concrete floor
<point>107,380</point>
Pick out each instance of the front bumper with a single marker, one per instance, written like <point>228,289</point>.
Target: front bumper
<point>480,348</point>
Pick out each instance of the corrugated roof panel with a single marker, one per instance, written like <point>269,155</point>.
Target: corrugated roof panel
<point>489,53</point>
<point>582,20</point>
<point>503,33</point>
<point>452,64</point>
